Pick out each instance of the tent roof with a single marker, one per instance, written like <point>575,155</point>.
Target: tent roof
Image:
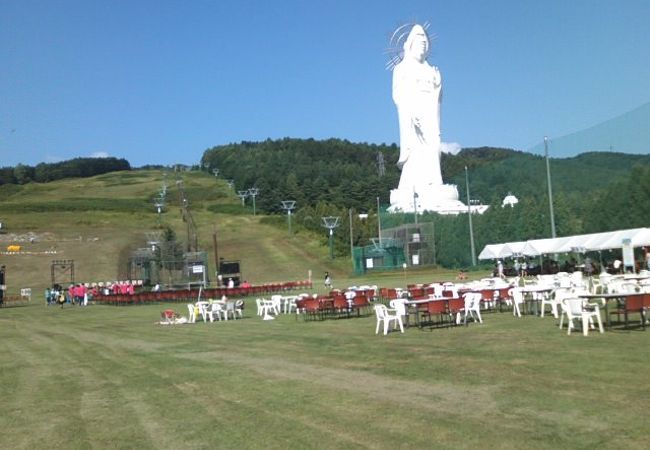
<point>638,237</point>
<point>491,251</point>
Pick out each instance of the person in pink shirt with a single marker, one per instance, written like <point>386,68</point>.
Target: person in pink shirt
<point>71,292</point>
<point>78,291</point>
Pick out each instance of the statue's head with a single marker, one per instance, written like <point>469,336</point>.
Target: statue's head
<point>417,44</point>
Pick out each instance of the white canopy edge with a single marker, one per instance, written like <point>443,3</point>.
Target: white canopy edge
<point>639,237</point>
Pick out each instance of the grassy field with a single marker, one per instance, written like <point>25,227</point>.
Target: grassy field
<point>108,377</point>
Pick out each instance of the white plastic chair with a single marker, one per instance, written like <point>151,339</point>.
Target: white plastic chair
<point>265,308</point>
<point>276,303</point>
<point>577,308</point>
<point>215,309</point>
<point>472,307</point>
<point>384,315</point>
<point>229,310</point>
<point>399,305</point>
<point>553,300</point>
<point>203,309</point>
<point>239,308</point>
<point>577,279</point>
<point>191,313</point>
<point>517,300</point>
<point>289,304</point>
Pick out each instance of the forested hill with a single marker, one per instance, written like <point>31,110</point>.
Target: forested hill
<point>308,171</point>
<point>73,168</point>
<point>349,174</point>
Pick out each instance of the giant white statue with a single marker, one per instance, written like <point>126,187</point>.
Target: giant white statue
<point>417,93</point>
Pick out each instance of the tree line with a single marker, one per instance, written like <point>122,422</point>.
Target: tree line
<point>592,192</point>
<point>73,168</point>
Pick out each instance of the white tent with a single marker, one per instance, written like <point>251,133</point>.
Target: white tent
<point>491,251</point>
<point>538,247</point>
<point>639,237</point>
<point>512,249</point>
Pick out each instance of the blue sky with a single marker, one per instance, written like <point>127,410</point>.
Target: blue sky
<point>158,82</point>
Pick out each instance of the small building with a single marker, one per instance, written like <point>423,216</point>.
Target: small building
<point>509,200</point>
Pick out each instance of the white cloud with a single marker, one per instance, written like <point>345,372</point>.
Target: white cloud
<point>450,147</point>
<point>99,155</point>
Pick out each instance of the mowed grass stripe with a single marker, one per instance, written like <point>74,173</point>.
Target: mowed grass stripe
<point>108,377</point>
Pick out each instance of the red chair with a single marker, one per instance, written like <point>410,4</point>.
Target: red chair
<point>456,307</point>
<point>487,298</point>
<point>504,296</point>
<point>300,306</point>
<point>431,309</point>
<point>636,303</point>
<point>312,308</point>
<point>341,305</point>
<point>359,303</point>
<point>326,305</point>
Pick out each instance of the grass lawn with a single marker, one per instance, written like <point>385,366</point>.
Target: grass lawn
<point>109,377</point>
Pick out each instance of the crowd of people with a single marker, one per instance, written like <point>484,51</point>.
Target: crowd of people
<point>81,293</point>
<point>75,294</point>
<point>529,266</point>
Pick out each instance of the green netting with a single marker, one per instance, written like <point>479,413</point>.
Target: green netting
<point>408,243</point>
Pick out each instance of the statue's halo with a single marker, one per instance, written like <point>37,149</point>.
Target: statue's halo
<point>395,50</point>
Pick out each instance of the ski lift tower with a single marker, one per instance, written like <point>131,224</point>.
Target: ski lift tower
<point>253,193</point>
<point>330,223</point>
<point>288,205</point>
<point>242,195</point>
<point>192,236</point>
<point>160,205</point>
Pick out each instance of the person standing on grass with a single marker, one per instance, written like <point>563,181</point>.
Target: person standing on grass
<point>84,295</point>
<point>78,294</point>
<point>70,295</point>
<point>328,280</point>
<point>61,299</point>
<point>500,269</point>
<point>3,287</point>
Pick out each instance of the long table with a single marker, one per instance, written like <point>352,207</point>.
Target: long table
<point>533,300</point>
<point>416,303</point>
<point>619,296</point>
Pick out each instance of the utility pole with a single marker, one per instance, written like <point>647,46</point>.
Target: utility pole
<point>351,238</point>
<point>469,214</point>
<point>216,254</point>
<point>379,221</point>
<point>550,191</point>
<point>415,206</point>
